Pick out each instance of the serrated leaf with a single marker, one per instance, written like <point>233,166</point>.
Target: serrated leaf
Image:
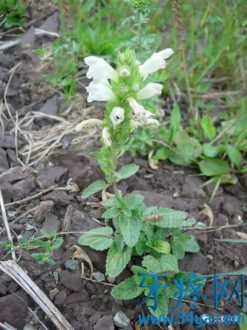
<point>160,246</point>
<point>234,154</point>
<point>94,187</point>
<point>212,167</point>
<point>127,170</point>
<point>127,289</point>
<point>141,246</point>
<point>165,264</point>
<point>177,250</point>
<point>126,211</point>
<point>117,260</point>
<point>113,212</point>
<point>162,309</point>
<point>208,128</point>
<point>172,218</point>
<point>119,242</point>
<point>130,228</point>
<point>108,202</point>
<point>98,239</point>
<point>133,200</point>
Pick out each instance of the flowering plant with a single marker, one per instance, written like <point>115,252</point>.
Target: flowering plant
<point>132,229</point>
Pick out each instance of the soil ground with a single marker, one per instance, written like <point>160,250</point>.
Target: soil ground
<point>26,169</point>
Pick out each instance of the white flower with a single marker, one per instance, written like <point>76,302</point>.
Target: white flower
<point>124,73</point>
<point>137,63</point>
<point>152,122</point>
<point>117,116</point>
<point>155,62</point>
<point>87,124</point>
<point>140,113</point>
<point>99,68</point>
<point>134,124</point>
<point>150,90</point>
<point>100,90</point>
<point>106,137</point>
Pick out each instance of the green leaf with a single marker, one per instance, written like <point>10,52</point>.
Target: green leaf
<point>161,154</point>
<point>177,250</point>
<point>127,170</point>
<point>94,187</point>
<point>209,150</point>
<point>160,246</point>
<point>162,309</point>
<point>191,246</point>
<point>232,240</point>
<point>39,256</point>
<point>130,228</point>
<point>133,200</point>
<point>212,167</point>
<point>127,289</point>
<point>113,212</point>
<point>175,119</point>
<point>165,264</point>
<point>58,242</point>
<point>127,212</point>
<point>208,128</point>
<point>119,242</point>
<point>98,239</point>
<point>172,218</point>
<point>187,150</point>
<point>47,246</point>
<point>243,326</point>
<point>141,247</point>
<point>234,154</point>
<point>117,260</point>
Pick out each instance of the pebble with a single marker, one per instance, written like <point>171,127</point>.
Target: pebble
<point>53,293</point>
<point>56,274</point>
<point>99,277</point>
<point>236,264</point>
<point>209,256</point>
<point>121,320</point>
<point>71,264</point>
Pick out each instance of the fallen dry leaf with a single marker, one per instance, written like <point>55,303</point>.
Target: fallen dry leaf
<point>208,213</point>
<point>241,235</point>
<point>82,255</point>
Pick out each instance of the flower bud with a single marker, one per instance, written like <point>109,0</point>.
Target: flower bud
<point>106,137</point>
<point>124,89</point>
<point>135,87</point>
<point>124,73</point>
<point>117,116</point>
<point>138,4</point>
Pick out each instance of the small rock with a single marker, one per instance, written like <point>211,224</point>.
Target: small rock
<point>58,196</point>
<point>53,293</point>
<point>42,210</point>
<point>28,38</point>
<point>71,264</point>
<point>7,140</point>
<point>13,309</point>
<point>236,264</point>
<point>71,281</point>
<point>218,233</point>
<point>153,199</point>
<point>121,320</point>
<point>51,176</point>
<point>210,257</point>
<point>105,323</point>
<point>95,317</point>
<point>51,24</point>
<point>49,108</point>
<point>60,297</point>
<point>77,297</point>
<point>29,327</point>
<point>51,223</point>
<point>4,164</point>
<point>99,277</point>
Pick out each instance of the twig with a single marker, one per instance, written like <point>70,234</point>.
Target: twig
<point>6,223</point>
<point>105,283</point>
<point>27,199</point>
<point>6,326</point>
<point>67,219</point>
<point>17,273</point>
